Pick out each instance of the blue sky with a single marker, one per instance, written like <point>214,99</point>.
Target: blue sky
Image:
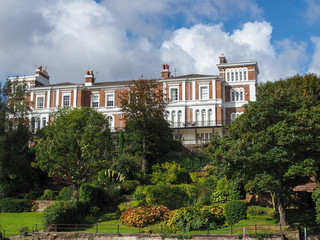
<point>124,39</point>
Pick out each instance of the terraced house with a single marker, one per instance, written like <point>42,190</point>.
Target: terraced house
<point>198,105</point>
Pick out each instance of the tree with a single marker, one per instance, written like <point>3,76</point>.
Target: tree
<point>275,143</point>
<point>147,132</point>
<point>74,146</point>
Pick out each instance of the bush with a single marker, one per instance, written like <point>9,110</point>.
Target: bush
<point>129,186</point>
<point>12,205</point>
<point>7,189</point>
<point>235,211</point>
<point>49,195</point>
<point>128,165</point>
<point>127,205</point>
<point>93,195</point>
<point>143,216</point>
<point>33,195</point>
<point>66,194</point>
<point>226,190</point>
<point>169,173</point>
<point>139,194</point>
<point>316,200</point>
<point>195,218</point>
<point>256,211</point>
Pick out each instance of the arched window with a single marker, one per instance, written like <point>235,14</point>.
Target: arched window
<point>173,118</point>
<point>235,115</point>
<point>111,123</point>
<point>197,117</point>
<point>237,94</point>
<point>204,117</point>
<point>210,117</point>
<point>38,123</point>
<point>166,115</point>
<point>44,122</point>
<point>179,118</point>
<point>33,125</point>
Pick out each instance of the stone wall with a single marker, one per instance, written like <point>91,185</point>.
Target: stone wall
<point>42,204</point>
<point>105,236</point>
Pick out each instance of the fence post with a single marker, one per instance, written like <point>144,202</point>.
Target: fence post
<point>231,229</point>
<point>280,228</point>
<point>255,228</point>
<point>76,228</point>
<point>161,229</point>
<point>36,227</point>
<point>96,228</point>
<point>118,229</point>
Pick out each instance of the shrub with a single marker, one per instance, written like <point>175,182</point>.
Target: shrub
<point>143,216</point>
<point>128,165</point>
<point>171,196</point>
<point>109,177</point>
<point>139,194</point>
<point>61,212</point>
<point>226,190</point>
<point>235,211</point>
<point>127,205</point>
<point>129,186</point>
<point>7,189</point>
<point>33,195</point>
<point>316,200</point>
<point>195,218</point>
<point>49,195</point>
<point>256,211</point>
<point>66,194</point>
<point>12,205</point>
<point>169,173</point>
<point>93,195</point>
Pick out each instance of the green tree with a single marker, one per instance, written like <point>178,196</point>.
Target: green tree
<point>74,146</point>
<point>147,133</point>
<point>275,144</point>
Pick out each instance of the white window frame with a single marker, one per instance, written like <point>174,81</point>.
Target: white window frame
<point>107,102</point>
<point>63,95</point>
<point>234,115</point>
<point>38,102</point>
<point>201,86</point>
<point>176,88</point>
<point>95,100</point>
<point>111,123</point>
<point>237,95</point>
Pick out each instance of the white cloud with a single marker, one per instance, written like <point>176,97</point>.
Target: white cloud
<point>315,64</point>
<point>313,11</point>
<point>201,46</point>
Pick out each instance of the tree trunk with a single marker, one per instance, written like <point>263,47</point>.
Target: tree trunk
<point>75,193</point>
<point>273,202</point>
<point>144,161</point>
<point>282,213</point>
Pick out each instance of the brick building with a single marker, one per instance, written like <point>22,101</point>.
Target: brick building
<point>198,105</point>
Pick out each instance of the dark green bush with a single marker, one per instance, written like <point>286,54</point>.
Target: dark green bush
<point>169,173</point>
<point>316,200</point>
<point>7,189</point>
<point>33,195</point>
<point>235,211</point>
<point>256,211</point>
<point>94,195</point>
<point>129,186</point>
<point>15,205</point>
<point>66,194</point>
<point>195,218</point>
<point>138,194</point>
<point>49,195</point>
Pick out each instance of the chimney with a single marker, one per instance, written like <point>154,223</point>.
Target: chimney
<point>43,73</point>
<point>89,78</point>
<point>165,73</point>
<point>222,59</point>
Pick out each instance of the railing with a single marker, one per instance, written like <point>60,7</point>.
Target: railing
<point>158,229</point>
<point>195,124</point>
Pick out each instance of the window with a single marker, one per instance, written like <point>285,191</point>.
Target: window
<point>166,115</point>
<point>237,94</point>
<point>174,94</point>
<point>110,100</point>
<point>244,75</point>
<point>110,120</point>
<point>235,115</point>
<point>40,102</point>
<point>95,101</point>
<point>204,93</point>
<point>237,74</point>
<point>66,101</point>
<point>44,122</point>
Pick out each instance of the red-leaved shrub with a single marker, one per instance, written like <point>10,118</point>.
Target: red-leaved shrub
<point>143,216</point>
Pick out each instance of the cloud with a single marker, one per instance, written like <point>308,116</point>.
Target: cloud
<point>201,46</point>
<point>313,12</point>
<point>315,63</point>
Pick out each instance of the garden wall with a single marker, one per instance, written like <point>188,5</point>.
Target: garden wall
<point>42,204</point>
<point>105,236</point>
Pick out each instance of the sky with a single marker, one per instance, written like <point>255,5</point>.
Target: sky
<point>130,39</point>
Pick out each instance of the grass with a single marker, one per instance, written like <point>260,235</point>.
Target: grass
<point>109,223</point>
<point>12,222</point>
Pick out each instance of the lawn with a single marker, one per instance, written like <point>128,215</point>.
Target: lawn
<point>12,222</point>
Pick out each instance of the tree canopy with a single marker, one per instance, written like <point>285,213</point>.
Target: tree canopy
<point>147,132</point>
<point>74,146</point>
<point>275,144</point>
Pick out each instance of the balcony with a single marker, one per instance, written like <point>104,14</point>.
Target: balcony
<point>197,124</point>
